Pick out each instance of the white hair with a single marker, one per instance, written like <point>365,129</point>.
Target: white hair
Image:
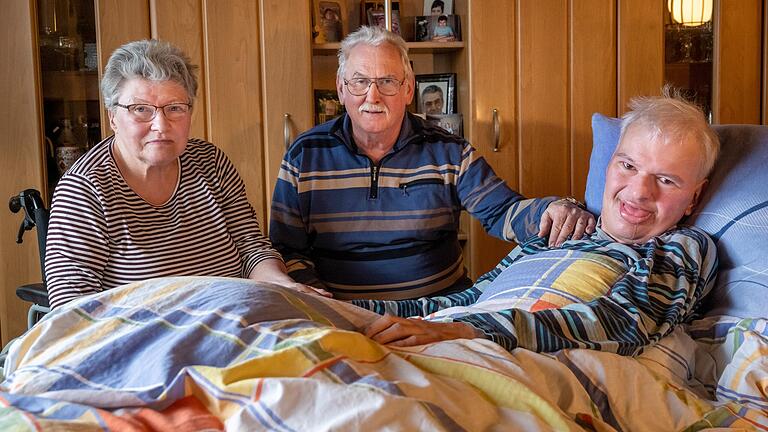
<point>373,36</point>
<point>676,119</point>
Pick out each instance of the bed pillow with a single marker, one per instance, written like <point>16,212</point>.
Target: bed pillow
<point>605,138</point>
<point>733,210</point>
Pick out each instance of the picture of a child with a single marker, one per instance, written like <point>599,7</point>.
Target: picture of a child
<point>443,32</point>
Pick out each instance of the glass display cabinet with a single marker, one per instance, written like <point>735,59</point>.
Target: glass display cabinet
<point>688,49</point>
<point>69,75</point>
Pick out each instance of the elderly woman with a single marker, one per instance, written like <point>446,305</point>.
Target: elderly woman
<point>148,201</point>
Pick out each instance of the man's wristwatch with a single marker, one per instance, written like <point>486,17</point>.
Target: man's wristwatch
<point>575,202</point>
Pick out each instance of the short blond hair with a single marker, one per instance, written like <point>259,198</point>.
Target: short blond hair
<point>675,118</point>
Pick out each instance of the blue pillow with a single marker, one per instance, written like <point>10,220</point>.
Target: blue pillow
<point>605,131</point>
<point>733,210</point>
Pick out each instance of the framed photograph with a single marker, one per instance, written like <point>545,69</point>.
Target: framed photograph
<point>451,123</point>
<point>330,20</point>
<point>327,106</point>
<point>436,93</point>
<point>438,7</point>
<point>378,18</point>
<point>443,28</point>
<point>421,32</point>
<point>375,6</point>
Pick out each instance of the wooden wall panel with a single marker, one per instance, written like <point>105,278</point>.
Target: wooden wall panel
<point>765,62</point>
<point>286,78</point>
<point>181,23</point>
<point>641,49</point>
<point>232,68</point>
<point>492,87</point>
<point>543,82</point>
<point>21,146</point>
<point>118,22</point>
<point>738,62</point>
<point>593,78</point>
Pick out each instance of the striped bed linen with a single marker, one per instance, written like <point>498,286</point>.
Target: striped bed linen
<point>217,353</point>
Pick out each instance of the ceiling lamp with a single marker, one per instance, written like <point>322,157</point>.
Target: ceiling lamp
<point>690,13</point>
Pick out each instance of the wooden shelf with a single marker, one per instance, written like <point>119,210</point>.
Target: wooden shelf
<point>413,47</point>
<point>71,85</point>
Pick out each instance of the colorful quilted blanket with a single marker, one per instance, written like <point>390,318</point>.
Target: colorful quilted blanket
<point>228,354</point>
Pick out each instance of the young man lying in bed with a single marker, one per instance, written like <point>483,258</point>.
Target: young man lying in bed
<point>619,289</point>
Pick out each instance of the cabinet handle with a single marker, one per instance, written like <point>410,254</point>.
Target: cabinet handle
<point>287,129</point>
<point>496,129</point>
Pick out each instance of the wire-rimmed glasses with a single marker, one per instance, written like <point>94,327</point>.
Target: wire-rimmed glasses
<point>147,112</point>
<point>386,86</point>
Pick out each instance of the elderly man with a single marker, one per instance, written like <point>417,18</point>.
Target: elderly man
<point>368,205</point>
<point>621,288</point>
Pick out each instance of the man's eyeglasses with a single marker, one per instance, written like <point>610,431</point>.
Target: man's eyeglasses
<point>386,86</point>
<point>146,112</point>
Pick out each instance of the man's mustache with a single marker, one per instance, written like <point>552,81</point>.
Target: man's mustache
<point>373,108</point>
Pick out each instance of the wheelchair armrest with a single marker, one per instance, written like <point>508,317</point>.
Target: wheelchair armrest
<point>33,293</point>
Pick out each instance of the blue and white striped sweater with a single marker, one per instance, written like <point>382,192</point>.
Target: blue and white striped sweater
<point>388,230</point>
<point>590,293</point>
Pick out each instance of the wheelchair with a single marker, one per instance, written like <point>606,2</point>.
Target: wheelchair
<point>35,216</point>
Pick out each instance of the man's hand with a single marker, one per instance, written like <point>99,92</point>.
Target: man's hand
<point>563,218</point>
<point>396,331</point>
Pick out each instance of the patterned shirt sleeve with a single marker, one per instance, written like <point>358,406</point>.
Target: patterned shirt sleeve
<point>242,223</point>
<point>427,305</point>
<point>77,242</point>
<point>504,213</point>
<point>287,229</point>
<point>657,293</point>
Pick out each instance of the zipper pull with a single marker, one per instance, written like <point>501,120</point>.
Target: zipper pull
<point>404,187</point>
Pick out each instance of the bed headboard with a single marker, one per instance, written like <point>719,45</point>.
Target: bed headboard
<point>733,210</point>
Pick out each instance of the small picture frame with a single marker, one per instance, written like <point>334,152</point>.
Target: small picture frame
<point>330,21</point>
<point>451,123</point>
<point>378,18</point>
<point>442,28</point>
<point>438,7</point>
<point>436,93</point>
<point>327,106</point>
<point>421,32</point>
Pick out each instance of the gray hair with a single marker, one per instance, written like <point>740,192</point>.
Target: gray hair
<point>373,36</point>
<point>151,60</point>
<point>676,119</point>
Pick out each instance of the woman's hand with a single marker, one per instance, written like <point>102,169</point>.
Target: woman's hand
<point>273,271</point>
<point>307,289</point>
<point>396,331</point>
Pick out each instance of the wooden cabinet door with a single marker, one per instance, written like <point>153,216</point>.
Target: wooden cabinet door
<point>118,22</point>
<point>21,144</point>
<point>553,65</point>
<point>286,79</point>
<point>493,38</point>
<point>739,74</point>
